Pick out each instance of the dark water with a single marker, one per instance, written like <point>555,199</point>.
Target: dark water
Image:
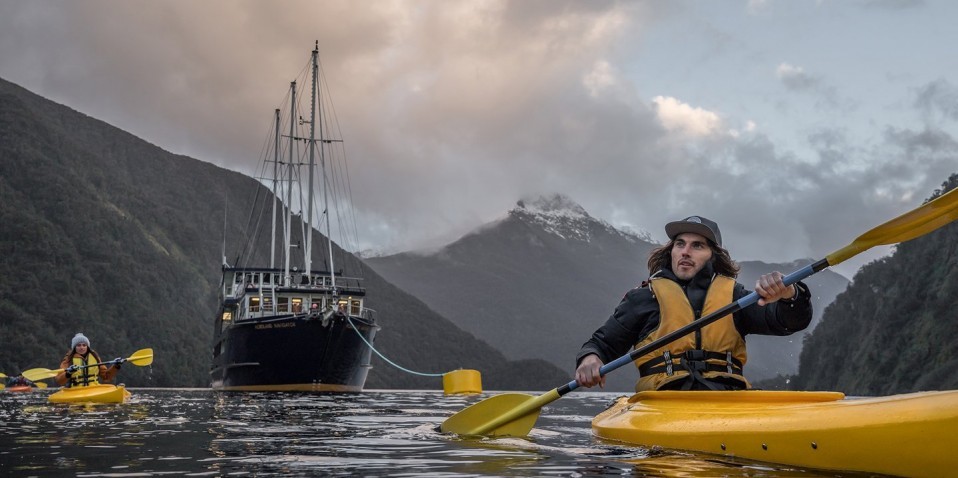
<point>375,433</point>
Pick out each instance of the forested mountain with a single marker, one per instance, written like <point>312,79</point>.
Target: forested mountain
<point>106,234</point>
<point>539,281</point>
<point>895,329</point>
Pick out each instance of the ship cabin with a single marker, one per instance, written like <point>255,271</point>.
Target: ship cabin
<point>268,293</point>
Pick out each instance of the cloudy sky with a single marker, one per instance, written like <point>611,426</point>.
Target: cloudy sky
<point>796,125</point>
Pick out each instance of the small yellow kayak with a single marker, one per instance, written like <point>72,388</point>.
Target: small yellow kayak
<point>905,435</point>
<point>101,393</point>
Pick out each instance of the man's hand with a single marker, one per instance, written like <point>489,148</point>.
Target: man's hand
<point>587,375</point>
<point>771,288</point>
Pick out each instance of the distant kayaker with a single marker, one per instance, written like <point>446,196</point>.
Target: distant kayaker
<point>82,365</point>
<point>19,381</point>
<point>690,277</point>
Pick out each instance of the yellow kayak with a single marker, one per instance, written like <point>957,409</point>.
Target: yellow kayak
<point>906,435</point>
<point>102,393</point>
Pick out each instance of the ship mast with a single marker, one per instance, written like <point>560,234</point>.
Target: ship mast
<point>322,159</point>
<point>289,190</point>
<point>312,166</point>
<point>272,244</point>
<point>312,162</point>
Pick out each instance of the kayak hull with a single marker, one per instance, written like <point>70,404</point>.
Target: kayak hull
<point>20,388</point>
<point>102,393</point>
<point>905,435</point>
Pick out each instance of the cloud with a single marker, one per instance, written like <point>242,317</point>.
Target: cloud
<point>795,78</point>
<point>681,117</point>
<point>894,4</point>
<point>451,111</point>
<point>939,96</point>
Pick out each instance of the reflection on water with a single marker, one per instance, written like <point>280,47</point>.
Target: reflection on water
<point>376,433</point>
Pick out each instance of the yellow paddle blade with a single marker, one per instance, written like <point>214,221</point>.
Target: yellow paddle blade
<point>918,222</point>
<point>35,374</point>
<point>40,385</point>
<point>475,419</point>
<point>3,375</point>
<point>2,386</point>
<point>142,357</point>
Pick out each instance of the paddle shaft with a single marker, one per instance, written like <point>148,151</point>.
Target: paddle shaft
<point>696,325</point>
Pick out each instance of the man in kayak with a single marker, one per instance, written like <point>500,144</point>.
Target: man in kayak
<point>82,365</point>
<point>692,276</point>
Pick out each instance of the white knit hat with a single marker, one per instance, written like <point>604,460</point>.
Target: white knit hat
<point>79,339</point>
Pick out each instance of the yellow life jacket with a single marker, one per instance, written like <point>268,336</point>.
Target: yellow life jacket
<point>717,352</point>
<point>85,377</point>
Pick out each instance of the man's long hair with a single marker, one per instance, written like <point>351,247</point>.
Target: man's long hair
<point>661,258</point>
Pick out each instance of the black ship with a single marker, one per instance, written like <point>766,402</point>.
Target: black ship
<point>288,327</point>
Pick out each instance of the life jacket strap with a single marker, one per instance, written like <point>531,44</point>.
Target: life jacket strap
<point>692,361</point>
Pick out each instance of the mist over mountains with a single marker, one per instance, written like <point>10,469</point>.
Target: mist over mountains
<point>539,281</point>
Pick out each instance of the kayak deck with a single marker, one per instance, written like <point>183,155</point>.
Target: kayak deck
<point>101,393</point>
<point>907,435</point>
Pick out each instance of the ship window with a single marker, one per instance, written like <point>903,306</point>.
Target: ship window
<point>283,304</point>
<point>297,305</point>
<point>227,316</point>
<point>354,307</point>
<point>267,278</point>
<point>267,304</point>
<point>254,304</point>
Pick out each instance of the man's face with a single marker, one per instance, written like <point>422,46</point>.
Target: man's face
<point>690,252</point>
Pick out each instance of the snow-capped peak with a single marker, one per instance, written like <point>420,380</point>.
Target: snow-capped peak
<point>554,205</point>
<point>560,215</point>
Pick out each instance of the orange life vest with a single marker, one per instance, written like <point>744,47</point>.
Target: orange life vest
<point>717,352</point>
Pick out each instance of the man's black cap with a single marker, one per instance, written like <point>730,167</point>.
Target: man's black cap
<point>695,224</point>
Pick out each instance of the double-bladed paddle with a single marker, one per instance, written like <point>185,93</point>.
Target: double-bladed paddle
<point>140,358</point>
<point>514,414</point>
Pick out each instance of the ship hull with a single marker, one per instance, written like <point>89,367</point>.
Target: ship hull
<point>294,353</point>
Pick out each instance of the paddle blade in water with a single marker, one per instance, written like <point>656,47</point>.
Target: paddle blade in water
<point>475,419</point>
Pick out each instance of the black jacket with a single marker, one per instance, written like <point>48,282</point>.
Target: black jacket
<point>638,315</point>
